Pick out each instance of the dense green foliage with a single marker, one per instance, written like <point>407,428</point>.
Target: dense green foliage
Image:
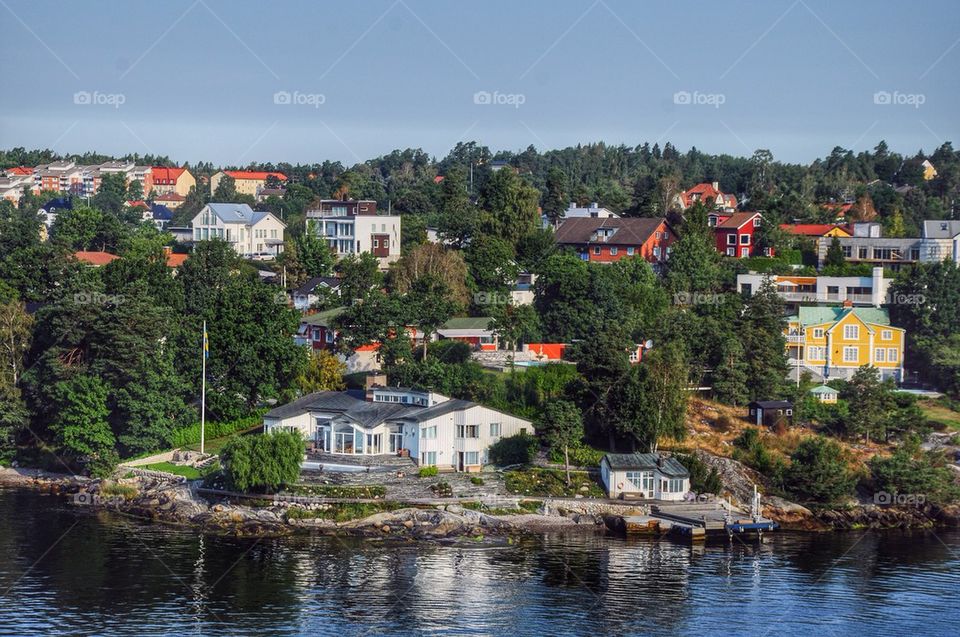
<point>262,463</point>
<point>512,450</point>
<point>818,471</point>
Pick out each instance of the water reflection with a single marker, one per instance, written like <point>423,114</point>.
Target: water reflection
<point>83,573</point>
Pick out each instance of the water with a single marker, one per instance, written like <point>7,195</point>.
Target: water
<point>69,571</point>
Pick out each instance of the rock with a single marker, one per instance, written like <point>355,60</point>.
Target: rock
<point>408,524</point>
<point>385,528</point>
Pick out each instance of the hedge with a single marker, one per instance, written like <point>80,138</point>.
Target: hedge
<point>191,435</point>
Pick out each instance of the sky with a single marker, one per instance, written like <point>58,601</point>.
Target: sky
<point>240,82</point>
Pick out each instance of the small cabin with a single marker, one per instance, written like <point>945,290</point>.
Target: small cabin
<point>825,394</point>
<point>770,412</point>
<point>648,476</point>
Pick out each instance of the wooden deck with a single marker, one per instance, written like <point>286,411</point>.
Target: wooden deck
<point>696,521</point>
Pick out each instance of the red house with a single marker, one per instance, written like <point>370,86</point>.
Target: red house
<point>611,239</point>
<point>736,235</point>
<point>707,192</point>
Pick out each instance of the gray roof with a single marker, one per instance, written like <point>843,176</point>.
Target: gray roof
<point>771,404</point>
<point>668,466</point>
<point>446,407</point>
<point>348,403</point>
<point>237,213</point>
<point>941,229</point>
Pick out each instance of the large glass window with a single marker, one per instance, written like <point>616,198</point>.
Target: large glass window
<point>471,458</point>
<point>428,458</point>
<point>429,433</point>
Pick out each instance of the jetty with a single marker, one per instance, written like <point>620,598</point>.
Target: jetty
<point>697,521</point>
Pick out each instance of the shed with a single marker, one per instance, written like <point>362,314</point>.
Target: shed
<point>825,394</point>
<point>770,412</point>
<point>644,475</point>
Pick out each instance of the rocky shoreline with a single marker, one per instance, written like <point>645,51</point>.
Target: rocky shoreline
<point>176,502</point>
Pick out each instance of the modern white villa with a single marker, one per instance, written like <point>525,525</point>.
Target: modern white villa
<point>251,233</point>
<point>647,476</point>
<point>432,429</point>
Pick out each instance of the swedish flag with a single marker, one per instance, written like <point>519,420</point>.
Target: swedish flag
<point>206,342</point>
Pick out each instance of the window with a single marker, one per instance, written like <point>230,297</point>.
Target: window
<point>892,355</point>
<point>596,250</point>
<point>656,251</point>
<point>862,252</point>
<point>642,480</point>
<point>429,433</point>
<point>494,429</point>
<point>880,355</point>
<point>756,222</point>
<point>471,458</point>
<point>613,252</point>
<point>630,252</point>
<point>886,335</point>
<point>731,239</point>
<point>883,253</point>
<point>851,354</point>
<point>376,243</point>
<point>674,485</point>
<point>847,252</point>
<point>731,252</point>
<point>656,235</point>
<point>744,252</point>
<point>816,353</point>
<point>851,332</point>
<point>428,458</point>
<point>468,431</point>
<point>818,332</point>
<point>744,239</point>
<point>914,254</point>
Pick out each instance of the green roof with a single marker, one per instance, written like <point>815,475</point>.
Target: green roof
<point>323,319</point>
<point>823,389</point>
<point>816,315</point>
<point>468,323</point>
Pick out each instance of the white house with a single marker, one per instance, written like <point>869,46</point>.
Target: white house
<point>349,229</point>
<point>251,233</point>
<point>433,429</point>
<point>649,476</point>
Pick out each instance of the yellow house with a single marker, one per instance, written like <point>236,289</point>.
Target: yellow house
<point>833,342</point>
<point>246,182</point>
<point>172,180</point>
<point>929,171</point>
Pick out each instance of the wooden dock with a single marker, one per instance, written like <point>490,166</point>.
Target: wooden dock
<point>696,521</point>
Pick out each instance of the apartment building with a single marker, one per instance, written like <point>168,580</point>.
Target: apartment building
<point>253,234</point>
<point>354,227</point>
<point>795,290</point>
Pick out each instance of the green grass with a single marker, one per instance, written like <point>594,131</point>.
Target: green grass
<point>214,445</point>
<point>551,483</point>
<point>939,412</point>
<point>343,512</point>
<point>189,473</point>
<point>112,489</point>
<point>525,506</point>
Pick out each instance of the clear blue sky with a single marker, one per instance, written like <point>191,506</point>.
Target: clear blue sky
<point>198,78</point>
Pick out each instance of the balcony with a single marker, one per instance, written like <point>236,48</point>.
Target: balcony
<point>795,339</point>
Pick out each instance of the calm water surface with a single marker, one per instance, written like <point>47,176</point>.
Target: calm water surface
<point>64,571</point>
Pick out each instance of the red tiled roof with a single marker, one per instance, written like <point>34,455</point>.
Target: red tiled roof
<point>254,174</point>
<point>176,260</point>
<point>137,204</point>
<point>170,196</point>
<point>94,258</point>
<point>20,170</point>
<point>162,175</point>
<point>707,191</point>
<point>810,229</point>
<point>629,230</point>
<point>737,220</point>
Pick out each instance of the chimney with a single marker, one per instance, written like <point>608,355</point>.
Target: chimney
<point>716,186</point>
<point>847,303</point>
<point>594,204</point>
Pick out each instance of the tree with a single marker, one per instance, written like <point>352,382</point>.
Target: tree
<point>80,422</point>
<point>818,471</point>
<point>515,324</point>
<point>555,198</point>
<point>112,194</point>
<point>731,375</point>
<point>512,202</point>
<point>562,426</point>
<point>313,254</point>
<point>869,400</point>
<point>135,191</point>
<point>835,256</point>
<point>431,306</point>
<point>656,397</point>
<point>359,276</point>
<point>909,471</point>
<point>324,372</point>
<point>761,332</point>
<point>431,259</point>
<point>694,264</point>
<point>262,463</point>
<point>458,216</point>
<point>226,190</point>
<point>512,450</point>
<point>492,269</point>
<point>15,332</point>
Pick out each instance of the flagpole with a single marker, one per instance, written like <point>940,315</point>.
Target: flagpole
<point>203,386</point>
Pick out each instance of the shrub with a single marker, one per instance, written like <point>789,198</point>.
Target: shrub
<point>818,471</point>
<point>477,480</point>
<point>112,489</point>
<point>442,489</point>
<point>191,435</point>
<point>428,472</point>
<point>750,450</point>
<point>262,463</point>
<point>922,475</point>
<point>703,478</point>
<point>581,455</point>
<point>723,423</point>
<point>517,449</point>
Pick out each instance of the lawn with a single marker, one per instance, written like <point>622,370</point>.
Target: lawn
<point>940,413</point>
<point>187,472</point>
<point>552,483</point>
<point>213,446</point>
